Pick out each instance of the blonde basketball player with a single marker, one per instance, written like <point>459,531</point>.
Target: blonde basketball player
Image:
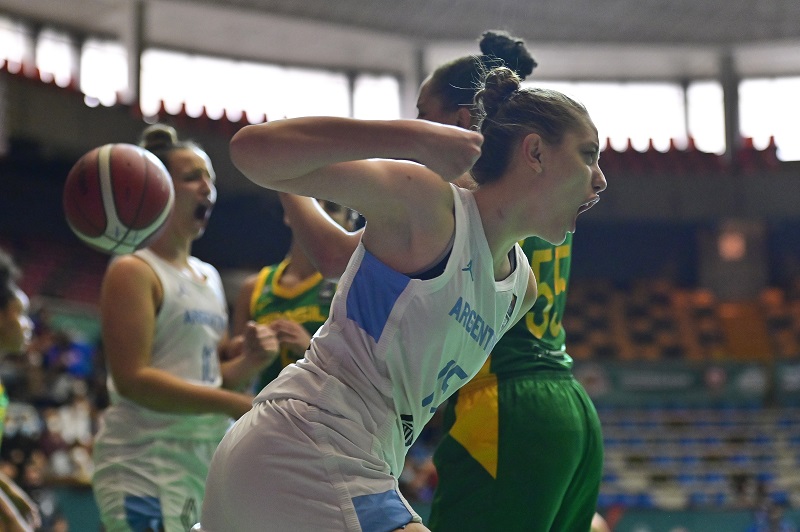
<point>437,279</point>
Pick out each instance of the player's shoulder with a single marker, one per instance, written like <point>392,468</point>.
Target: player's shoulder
<point>205,267</point>
<point>129,272</point>
<point>128,264</point>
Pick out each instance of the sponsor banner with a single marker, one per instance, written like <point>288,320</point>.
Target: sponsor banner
<point>677,383</point>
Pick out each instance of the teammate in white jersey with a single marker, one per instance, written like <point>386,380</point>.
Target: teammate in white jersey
<point>164,320</point>
<point>437,279</point>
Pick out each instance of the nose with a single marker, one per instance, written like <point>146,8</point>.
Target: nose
<point>209,190</point>
<point>599,182</point>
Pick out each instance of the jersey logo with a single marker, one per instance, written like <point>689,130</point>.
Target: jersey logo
<point>469,269</point>
<point>189,514</point>
<point>407,421</point>
<point>510,311</point>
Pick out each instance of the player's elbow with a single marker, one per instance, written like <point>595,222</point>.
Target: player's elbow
<point>130,386</point>
<point>128,390</point>
<point>248,152</point>
<point>240,147</point>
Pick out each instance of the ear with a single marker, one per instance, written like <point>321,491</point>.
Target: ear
<point>463,118</point>
<point>532,146</point>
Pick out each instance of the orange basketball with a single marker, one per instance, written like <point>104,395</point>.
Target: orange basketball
<point>118,197</point>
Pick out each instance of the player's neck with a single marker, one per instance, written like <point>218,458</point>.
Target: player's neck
<point>499,221</point>
<point>174,253</point>
<point>298,269</point>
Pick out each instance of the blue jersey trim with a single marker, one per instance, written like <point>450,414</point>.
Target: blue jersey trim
<point>379,512</point>
<point>373,293</point>
<point>143,513</point>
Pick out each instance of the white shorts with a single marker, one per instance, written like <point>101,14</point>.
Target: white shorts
<point>282,467</point>
<point>146,487</point>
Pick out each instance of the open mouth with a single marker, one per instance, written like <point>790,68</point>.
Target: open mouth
<point>202,212</point>
<point>588,205</point>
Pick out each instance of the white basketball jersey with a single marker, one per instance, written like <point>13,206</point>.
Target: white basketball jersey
<point>189,326</point>
<point>395,348</point>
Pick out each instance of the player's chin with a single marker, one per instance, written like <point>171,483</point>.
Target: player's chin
<point>572,224</point>
<point>557,236</point>
<point>199,233</point>
<point>200,229</point>
<point>197,228</point>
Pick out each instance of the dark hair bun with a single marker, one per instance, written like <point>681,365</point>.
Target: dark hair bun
<point>511,50</point>
<point>501,83</point>
<point>158,137</point>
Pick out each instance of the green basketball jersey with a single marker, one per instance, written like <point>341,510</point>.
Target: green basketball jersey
<point>537,340</point>
<point>308,304</point>
<point>523,447</point>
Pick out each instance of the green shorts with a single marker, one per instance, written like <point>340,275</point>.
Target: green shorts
<point>520,454</point>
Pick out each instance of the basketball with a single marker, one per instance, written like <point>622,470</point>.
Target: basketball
<point>117,198</point>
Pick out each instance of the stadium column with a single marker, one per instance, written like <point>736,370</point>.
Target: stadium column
<point>133,38</point>
<point>729,79</point>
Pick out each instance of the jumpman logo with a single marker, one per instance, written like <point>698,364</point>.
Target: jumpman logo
<point>469,269</point>
<point>407,422</point>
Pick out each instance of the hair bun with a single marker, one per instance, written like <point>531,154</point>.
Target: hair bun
<point>158,136</point>
<point>500,85</point>
<point>507,50</point>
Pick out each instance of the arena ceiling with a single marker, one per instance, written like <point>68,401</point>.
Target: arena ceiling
<point>575,39</point>
<point>716,22</point>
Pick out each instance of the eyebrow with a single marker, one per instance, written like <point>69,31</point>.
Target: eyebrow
<point>198,172</point>
<point>593,145</point>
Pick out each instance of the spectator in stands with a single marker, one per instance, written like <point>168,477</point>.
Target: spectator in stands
<point>69,355</point>
<point>17,511</point>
